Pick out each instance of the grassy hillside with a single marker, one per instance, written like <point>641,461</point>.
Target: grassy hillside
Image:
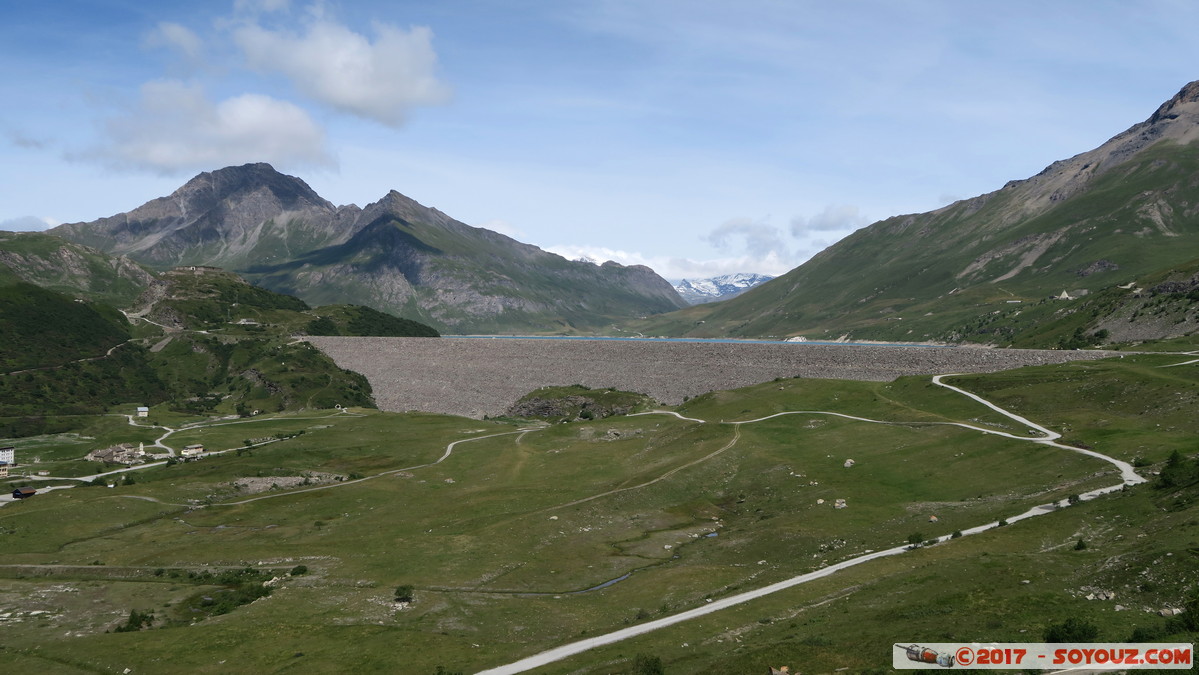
<point>42,328</point>
<point>498,537</point>
<point>359,321</point>
<point>208,344</point>
<point>72,269</point>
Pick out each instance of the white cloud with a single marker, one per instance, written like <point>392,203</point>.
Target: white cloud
<point>380,80</point>
<point>676,268</point>
<point>175,127</point>
<point>176,37</point>
<point>260,6</point>
<point>758,238</point>
<point>26,142</point>
<point>27,224</point>
<point>834,218</point>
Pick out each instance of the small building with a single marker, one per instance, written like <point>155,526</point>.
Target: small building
<point>143,411</point>
<point>23,493</point>
<point>192,450</point>
<point>8,454</point>
<point>3,469</point>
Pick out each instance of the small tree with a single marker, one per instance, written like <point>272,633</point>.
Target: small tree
<point>1080,545</point>
<point>914,539</point>
<point>298,570</point>
<point>404,593</point>
<point>1073,629</point>
<point>1176,473</point>
<point>1073,499</point>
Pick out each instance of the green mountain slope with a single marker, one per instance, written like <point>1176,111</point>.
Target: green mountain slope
<point>54,263</point>
<point>1109,217</point>
<point>42,328</point>
<point>359,321</point>
<point>202,342</point>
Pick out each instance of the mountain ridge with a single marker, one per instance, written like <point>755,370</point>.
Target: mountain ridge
<point>717,288</point>
<point>394,254</point>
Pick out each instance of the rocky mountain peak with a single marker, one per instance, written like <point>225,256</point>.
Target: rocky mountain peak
<point>1186,100</point>
<point>237,181</point>
<point>1176,120</point>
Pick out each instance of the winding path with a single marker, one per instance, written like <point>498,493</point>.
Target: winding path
<point>1128,477</point>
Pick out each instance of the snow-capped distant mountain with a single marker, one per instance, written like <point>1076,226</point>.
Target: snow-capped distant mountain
<point>723,287</point>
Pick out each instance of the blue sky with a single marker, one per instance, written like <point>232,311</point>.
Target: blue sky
<point>695,136</point>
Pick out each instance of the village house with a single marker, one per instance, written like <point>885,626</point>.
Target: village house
<point>123,453</point>
<point>143,411</point>
<point>23,492</point>
<point>192,450</point>
<point>8,457</point>
<point>195,269</point>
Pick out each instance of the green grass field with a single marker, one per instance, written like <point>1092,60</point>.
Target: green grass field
<point>502,540</point>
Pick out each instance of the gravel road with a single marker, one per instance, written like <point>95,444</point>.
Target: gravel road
<point>474,377</point>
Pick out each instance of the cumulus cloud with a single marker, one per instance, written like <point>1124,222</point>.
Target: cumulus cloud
<point>258,6</point>
<point>26,142</point>
<point>757,238</point>
<point>380,80</point>
<point>744,245</point>
<point>27,224</point>
<point>177,38</point>
<point>175,127</point>
<point>834,218</point>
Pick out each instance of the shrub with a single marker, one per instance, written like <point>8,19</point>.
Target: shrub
<point>404,593</point>
<point>644,664</point>
<point>1071,630</point>
<point>137,620</point>
<point>299,570</point>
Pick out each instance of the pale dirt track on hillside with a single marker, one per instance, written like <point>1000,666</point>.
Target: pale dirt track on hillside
<point>474,377</point>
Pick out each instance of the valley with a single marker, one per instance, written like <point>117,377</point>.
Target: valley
<point>497,525</point>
